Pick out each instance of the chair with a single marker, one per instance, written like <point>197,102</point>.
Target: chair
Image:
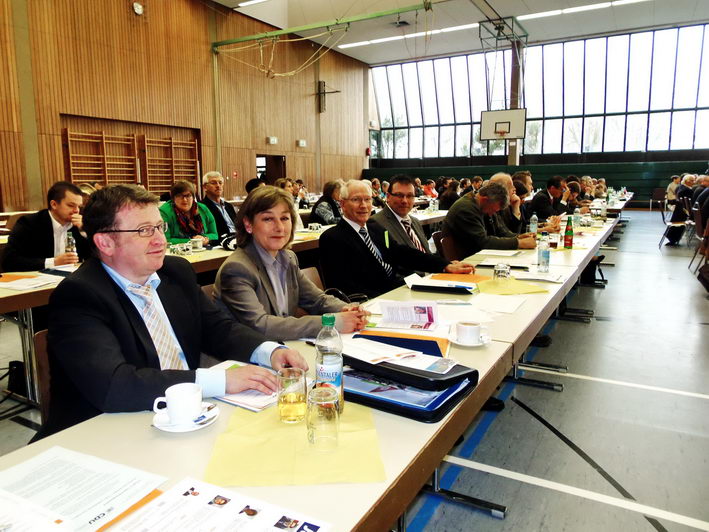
<point>42,360</point>
<point>658,197</point>
<point>691,229</point>
<point>12,220</point>
<point>437,236</point>
<point>208,291</point>
<point>450,249</point>
<point>700,232</point>
<point>313,275</point>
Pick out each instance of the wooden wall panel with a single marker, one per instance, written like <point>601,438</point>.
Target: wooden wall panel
<point>12,166</point>
<point>98,61</point>
<point>341,167</point>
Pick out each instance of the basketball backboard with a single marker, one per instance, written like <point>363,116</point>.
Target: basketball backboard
<point>504,124</point>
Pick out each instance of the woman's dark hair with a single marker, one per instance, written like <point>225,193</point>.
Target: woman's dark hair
<point>261,199</point>
<point>520,188</point>
<point>180,187</point>
<point>330,188</point>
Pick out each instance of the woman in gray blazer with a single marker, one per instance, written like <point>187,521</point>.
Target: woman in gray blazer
<point>261,283</point>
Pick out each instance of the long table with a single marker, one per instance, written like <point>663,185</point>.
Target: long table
<point>410,450</point>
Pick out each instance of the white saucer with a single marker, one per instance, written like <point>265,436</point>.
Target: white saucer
<point>162,422</point>
<point>484,337</point>
<point>200,250</point>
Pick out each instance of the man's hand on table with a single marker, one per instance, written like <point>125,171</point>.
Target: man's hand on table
<point>526,242</point>
<point>250,377</point>
<point>459,267</point>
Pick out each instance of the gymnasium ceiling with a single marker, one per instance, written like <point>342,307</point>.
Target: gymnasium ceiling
<point>623,17</point>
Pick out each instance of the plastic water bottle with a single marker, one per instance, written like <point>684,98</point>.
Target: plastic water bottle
<point>328,361</point>
<point>70,244</point>
<point>534,224</point>
<point>543,253</point>
<point>577,217</point>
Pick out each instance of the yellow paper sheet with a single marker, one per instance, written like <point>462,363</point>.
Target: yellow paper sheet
<point>258,450</point>
<point>509,287</point>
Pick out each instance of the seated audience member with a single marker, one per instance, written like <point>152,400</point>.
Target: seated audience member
<point>261,283</point>
<point>600,190</point>
<point>429,188</point>
<point>449,196</point>
<point>357,258</point>
<point>701,183</point>
<point>477,183</point>
<point>403,229</point>
<point>378,196</point>
<point>465,222</point>
<point>253,183</point>
<point>586,195</point>
<point>442,184</point>
<point>684,190</point>
<point>703,204</point>
<point>465,185</point>
<point>550,202</point>
<point>132,322</point>
<point>326,210</point>
<point>508,221</point>
<point>417,187</point>
<point>524,176</point>
<point>573,201</point>
<point>38,240</point>
<point>672,189</point>
<point>223,212</point>
<point>185,217</point>
<point>300,194</point>
<point>286,183</point>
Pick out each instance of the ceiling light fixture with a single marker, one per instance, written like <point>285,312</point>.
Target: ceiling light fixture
<point>409,36</point>
<point>249,3</point>
<point>578,9</point>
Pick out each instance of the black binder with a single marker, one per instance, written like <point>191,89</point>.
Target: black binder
<point>390,396</point>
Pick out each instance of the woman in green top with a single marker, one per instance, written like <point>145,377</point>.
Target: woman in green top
<point>185,217</point>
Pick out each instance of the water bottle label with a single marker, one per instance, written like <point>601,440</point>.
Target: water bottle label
<point>330,374</point>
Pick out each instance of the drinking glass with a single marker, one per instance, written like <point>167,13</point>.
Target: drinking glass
<point>291,395</point>
<point>501,272</point>
<point>322,418</point>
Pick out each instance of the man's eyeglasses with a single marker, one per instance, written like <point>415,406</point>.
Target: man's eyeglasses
<point>146,231</point>
<point>363,199</point>
<point>399,195</point>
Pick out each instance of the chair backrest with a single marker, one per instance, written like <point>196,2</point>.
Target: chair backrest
<point>437,236</point>
<point>42,359</point>
<point>658,194</point>
<point>698,223</point>
<point>450,249</point>
<point>12,220</point>
<point>313,275</point>
<point>208,290</point>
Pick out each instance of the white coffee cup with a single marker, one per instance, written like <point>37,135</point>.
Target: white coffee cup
<point>468,332</point>
<point>183,403</point>
<point>197,243</point>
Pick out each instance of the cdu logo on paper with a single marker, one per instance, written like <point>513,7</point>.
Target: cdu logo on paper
<point>307,527</point>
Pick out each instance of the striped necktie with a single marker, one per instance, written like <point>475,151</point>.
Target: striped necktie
<point>365,236</point>
<point>409,231</point>
<point>165,345</point>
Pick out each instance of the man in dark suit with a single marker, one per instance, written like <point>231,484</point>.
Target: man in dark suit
<point>466,223</point>
<point>550,202</point>
<point>131,322</point>
<point>39,240</point>
<point>223,212</point>
<point>358,257</point>
<point>394,217</point>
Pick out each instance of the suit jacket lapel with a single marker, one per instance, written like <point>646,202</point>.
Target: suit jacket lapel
<point>395,224</point>
<point>250,250</point>
<point>47,232</point>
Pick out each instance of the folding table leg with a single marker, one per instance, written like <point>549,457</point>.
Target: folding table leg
<point>495,510</point>
<point>537,383</point>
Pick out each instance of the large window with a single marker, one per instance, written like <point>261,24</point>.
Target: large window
<point>644,91</point>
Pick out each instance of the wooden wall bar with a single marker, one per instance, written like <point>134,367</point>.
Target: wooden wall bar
<point>97,63</point>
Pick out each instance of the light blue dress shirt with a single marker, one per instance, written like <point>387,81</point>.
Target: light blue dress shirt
<point>212,381</point>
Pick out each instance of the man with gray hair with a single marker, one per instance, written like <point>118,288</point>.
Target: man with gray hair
<point>465,222</point>
<point>223,212</point>
<point>359,256</point>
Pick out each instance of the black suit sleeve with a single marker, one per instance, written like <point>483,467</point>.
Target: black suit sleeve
<point>24,250</point>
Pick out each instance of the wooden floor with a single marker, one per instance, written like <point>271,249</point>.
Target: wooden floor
<point>649,444</point>
<point>610,438</point>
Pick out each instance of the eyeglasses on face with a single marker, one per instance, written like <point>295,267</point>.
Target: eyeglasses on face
<point>360,199</point>
<point>146,231</point>
<point>400,195</point>
<point>186,196</point>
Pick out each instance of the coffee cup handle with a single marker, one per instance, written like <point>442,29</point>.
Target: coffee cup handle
<point>483,332</point>
<point>157,402</point>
